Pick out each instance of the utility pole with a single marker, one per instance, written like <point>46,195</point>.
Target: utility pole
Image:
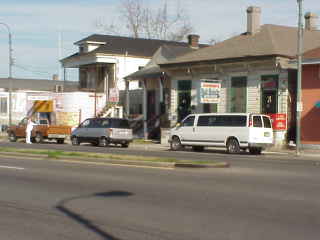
<point>298,101</point>
<point>10,72</point>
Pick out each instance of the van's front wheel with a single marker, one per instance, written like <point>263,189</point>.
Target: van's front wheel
<point>175,144</point>
<point>233,146</point>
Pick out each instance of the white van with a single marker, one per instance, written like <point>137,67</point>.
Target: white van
<point>235,131</point>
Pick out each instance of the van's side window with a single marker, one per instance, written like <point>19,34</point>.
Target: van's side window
<point>257,122</point>
<point>203,121</point>
<point>266,122</point>
<point>188,122</point>
<point>103,123</point>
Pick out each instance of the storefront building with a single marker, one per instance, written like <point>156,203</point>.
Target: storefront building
<point>250,72</point>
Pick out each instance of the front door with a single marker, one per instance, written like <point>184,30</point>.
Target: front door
<point>269,101</point>
<point>184,99</point>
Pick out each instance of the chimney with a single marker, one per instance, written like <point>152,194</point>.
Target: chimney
<point>311,21</point>
<point>193,41</point>
<point>253,20</point>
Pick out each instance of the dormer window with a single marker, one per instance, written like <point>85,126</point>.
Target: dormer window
<point>81,49</point>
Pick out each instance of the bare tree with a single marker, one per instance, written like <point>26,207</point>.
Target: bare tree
<point>142,21</point>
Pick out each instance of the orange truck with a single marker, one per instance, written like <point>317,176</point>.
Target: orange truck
<point>41,130</point>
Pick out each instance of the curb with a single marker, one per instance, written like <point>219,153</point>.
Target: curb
<point>119,162</point>
<point>210,165</point>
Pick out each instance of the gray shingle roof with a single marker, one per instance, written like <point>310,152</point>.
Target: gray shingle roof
<point>118,45</point>
<point>270,40</point>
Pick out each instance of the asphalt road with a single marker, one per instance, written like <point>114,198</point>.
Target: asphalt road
<point>54,200</point>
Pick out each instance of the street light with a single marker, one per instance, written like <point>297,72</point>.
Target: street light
<point>10,72</point>
<point>299,102</point>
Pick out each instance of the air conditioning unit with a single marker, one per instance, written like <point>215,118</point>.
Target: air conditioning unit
<point>58,88</point>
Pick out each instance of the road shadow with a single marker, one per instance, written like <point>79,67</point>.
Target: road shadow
<point>61,207</point>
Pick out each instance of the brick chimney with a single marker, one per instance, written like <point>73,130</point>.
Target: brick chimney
<point>193,41</point>
<point>253,20</point>
<point>311,21</point>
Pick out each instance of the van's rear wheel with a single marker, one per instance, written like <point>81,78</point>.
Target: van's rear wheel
<point>175,144</point>
<point>255,151</point>
<point>124,145</point>
<point>233,146</point>
<point>103,142</point>
<point>198,148</point>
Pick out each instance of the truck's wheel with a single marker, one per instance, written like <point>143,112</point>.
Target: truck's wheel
<point>233,146</point>
<point>38,138</point>
<point>74,141</point>
<point>12,137</point>
<point>60,141</point>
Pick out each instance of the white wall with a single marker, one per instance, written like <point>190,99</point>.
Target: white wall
<point>126,66</point>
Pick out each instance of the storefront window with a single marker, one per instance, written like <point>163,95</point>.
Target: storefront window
<point>3,105</point>
<point>238,95</point>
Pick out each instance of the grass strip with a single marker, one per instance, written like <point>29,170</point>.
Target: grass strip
<point>56,154</point>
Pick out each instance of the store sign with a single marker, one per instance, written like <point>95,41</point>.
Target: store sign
<point>210,91</point>
<point>279,121</point>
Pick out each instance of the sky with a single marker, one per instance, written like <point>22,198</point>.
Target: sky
<point>43,31</point>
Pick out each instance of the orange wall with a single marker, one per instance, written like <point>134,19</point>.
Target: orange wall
<point>310,118</point>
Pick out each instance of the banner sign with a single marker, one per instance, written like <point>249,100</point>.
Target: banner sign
<point>210,91</point>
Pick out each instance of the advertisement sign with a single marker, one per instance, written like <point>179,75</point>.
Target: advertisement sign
<point>210,91</point>
<point>279,121</point>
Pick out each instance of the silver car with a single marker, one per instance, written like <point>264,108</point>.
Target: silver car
<point>102,132</point>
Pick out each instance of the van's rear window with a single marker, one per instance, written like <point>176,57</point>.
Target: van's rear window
<point>266,122</point>
<point>119,123</point>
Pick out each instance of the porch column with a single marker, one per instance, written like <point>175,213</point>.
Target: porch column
<point>106,85</point>
<point>127,98</point>
<point>144,107</point>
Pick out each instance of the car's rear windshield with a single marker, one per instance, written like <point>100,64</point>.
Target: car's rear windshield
<point>119,123</point>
